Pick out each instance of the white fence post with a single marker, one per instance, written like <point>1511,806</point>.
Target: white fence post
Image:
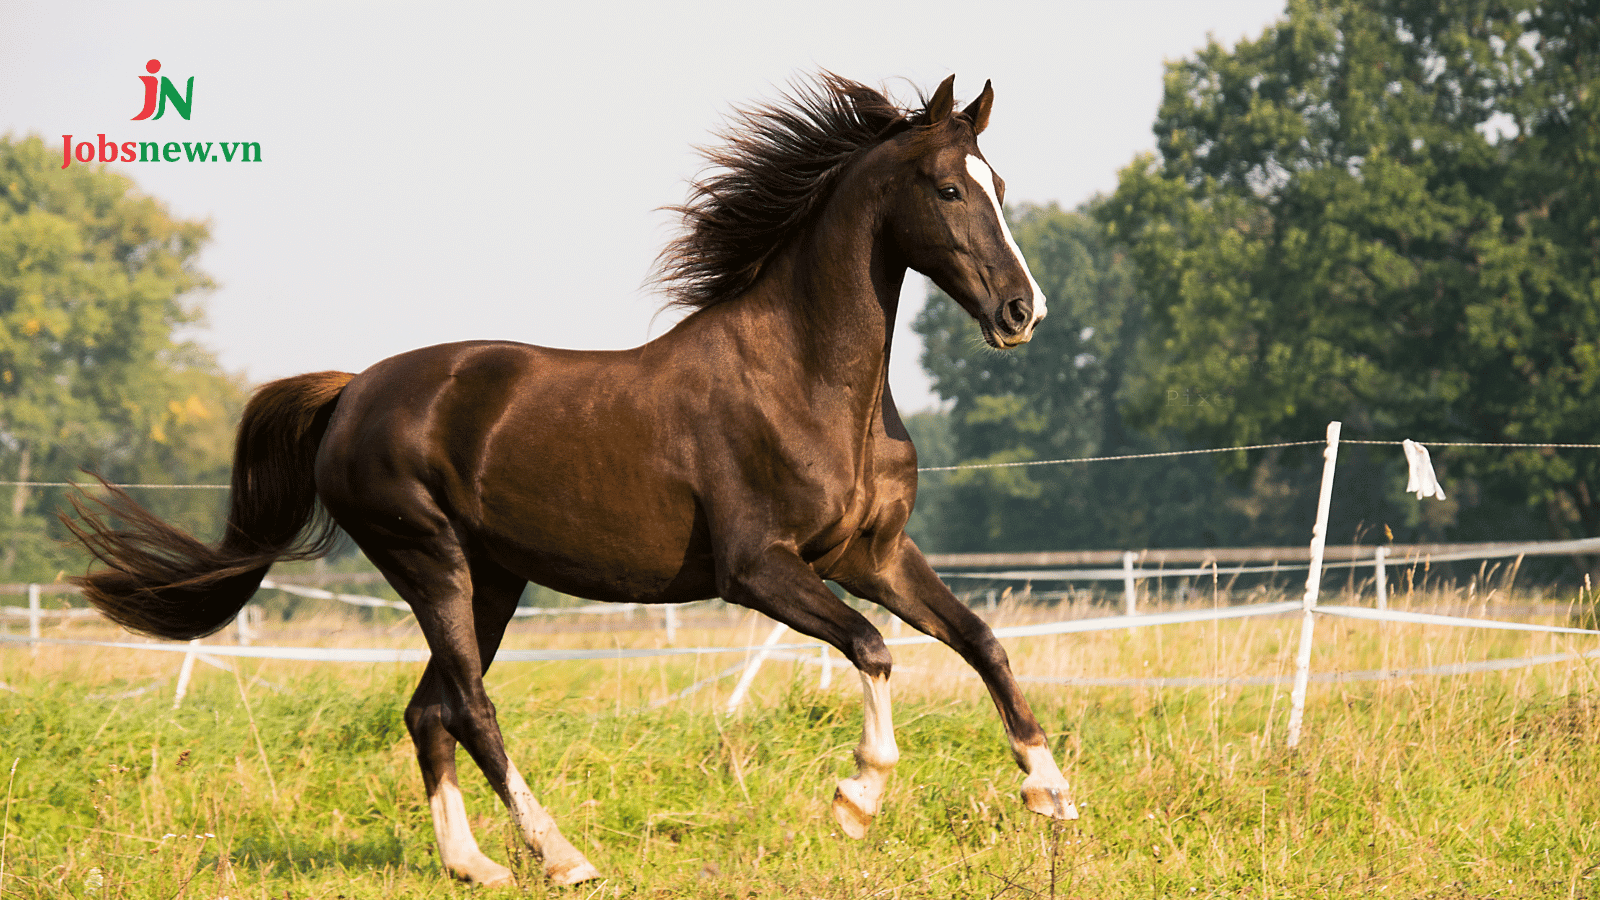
<point>1319,539</point>
<point>34,614</point>
<point>672,623</point>
<point>743,687</point>
<point>1130,590</point>
<point>827,669</point>
<point>1380,576</point>
<point>185,672</point>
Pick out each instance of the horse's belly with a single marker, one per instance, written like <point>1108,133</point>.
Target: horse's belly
<point>612,544</point>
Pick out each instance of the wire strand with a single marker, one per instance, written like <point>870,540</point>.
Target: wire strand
<point>142,487</point>
<point>1089,459</point>
<point>965,466</point>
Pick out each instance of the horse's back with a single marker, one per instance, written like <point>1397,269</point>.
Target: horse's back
<point>550,462</point>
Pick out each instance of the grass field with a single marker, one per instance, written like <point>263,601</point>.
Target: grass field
<point>296,780</point>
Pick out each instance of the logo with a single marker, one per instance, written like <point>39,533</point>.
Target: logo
<point>157,95</point>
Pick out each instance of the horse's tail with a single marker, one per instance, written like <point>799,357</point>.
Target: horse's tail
<point>159,580</point>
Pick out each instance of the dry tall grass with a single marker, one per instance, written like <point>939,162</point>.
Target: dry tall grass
<point>297,778</point>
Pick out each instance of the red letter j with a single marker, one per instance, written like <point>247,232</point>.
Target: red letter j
<point>152,67</point>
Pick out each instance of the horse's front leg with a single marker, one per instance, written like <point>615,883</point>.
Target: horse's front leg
<point>907,586</point>
<point>779,584</point>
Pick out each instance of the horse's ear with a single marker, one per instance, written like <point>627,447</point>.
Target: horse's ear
<point>978,110</point>
<point>943,102</point>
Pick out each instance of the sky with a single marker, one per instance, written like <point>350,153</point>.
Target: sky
<point>435,172</point>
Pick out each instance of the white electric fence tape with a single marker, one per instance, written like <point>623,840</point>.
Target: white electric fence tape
<point>380,603</point>
<point>1193,681</point>
<point>1415,618</point>
<point>1532,548</point>
<point>1070,626</point>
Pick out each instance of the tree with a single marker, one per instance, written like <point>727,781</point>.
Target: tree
<point>1058,397</point>
<point>1385,212</point>
<point>94,281</point>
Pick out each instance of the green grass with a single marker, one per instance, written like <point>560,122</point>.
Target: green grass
<point>297,780</point>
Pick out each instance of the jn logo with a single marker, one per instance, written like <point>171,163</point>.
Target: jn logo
<point>157,95</point>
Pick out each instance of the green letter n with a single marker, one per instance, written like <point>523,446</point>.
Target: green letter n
<point>180,102</point>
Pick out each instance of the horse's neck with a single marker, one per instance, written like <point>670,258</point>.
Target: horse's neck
<point>835,294</point>
<point>828,306</point>
<point>820,317</point>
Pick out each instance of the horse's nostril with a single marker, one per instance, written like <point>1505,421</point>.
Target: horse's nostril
<point>1015,315</point>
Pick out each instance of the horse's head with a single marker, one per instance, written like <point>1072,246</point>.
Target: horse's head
<point>944,216</point>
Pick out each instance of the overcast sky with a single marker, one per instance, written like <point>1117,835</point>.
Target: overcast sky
<point>433,172</point>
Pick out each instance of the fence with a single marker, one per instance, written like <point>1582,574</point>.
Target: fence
<point>1137,566</point>
<point>1134,567</point>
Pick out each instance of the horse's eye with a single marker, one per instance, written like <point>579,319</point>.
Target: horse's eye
<point>949,192</point>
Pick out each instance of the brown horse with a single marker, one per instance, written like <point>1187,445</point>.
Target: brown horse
<point>749,453</point>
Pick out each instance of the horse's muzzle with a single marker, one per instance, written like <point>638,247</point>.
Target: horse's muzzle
<point>1014,321</point>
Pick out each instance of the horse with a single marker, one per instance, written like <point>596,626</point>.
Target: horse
<point>752,452</point>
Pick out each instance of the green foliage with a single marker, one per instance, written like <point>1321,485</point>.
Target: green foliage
<point>1061,396</point>
<point>93,284</point>
<point>1385,212</point>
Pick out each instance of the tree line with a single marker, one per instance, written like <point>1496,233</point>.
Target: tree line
<point>96,281</point>
<point>1385,212</point>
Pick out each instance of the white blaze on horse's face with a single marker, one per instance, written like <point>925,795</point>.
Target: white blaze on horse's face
<point>984,176</point>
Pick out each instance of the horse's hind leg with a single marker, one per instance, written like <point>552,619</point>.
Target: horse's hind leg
<point>436,755</point>
<point>464,628</point>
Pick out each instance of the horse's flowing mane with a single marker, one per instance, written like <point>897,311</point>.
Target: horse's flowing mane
<point>775,171</point>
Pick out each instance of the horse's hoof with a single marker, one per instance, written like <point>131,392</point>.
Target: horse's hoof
<point>1049,801</point>
<point>572,873</point>
<point>484,872</point>
<point>849,809</point>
